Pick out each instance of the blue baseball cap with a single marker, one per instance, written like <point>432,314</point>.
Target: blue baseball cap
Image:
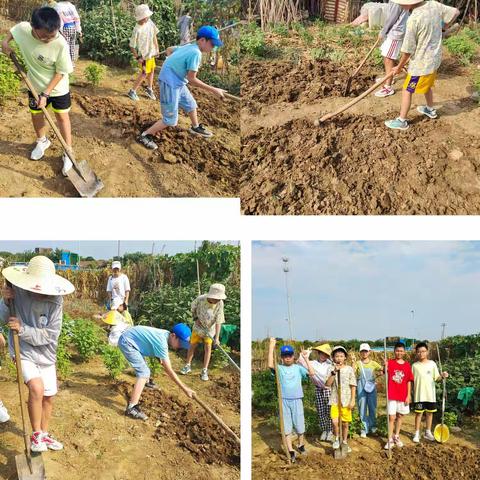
<point>210,33</point>
<point>286,351</point>
<point>184,333</point>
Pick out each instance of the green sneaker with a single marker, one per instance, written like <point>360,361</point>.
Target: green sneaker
<point>429,112</point>
<point>397,124</point>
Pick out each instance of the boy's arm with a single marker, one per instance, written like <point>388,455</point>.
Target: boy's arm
<point>170,372</point>
<point>353,390</point>
<point>409,393</point>
<point>395,11</point>
<point>311,371</point>
<point>403,61</point>
<point>5,44</point>
<point>271,348</point>
<point>193,80</point>
<point>330,378</point>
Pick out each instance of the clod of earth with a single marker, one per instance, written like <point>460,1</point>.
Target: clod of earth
<point>193,428</point>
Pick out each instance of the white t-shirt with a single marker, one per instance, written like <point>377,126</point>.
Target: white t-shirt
<point>118,286</point>
<point>143,39</point>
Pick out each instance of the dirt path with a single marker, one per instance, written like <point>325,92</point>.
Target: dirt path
<point>104,124</point>
<point>459,458</point>
<point>177,442</point>
<point>353,164</point>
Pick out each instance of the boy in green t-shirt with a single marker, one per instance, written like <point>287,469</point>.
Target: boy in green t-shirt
<point>47,58</point>
<point>425,374</point>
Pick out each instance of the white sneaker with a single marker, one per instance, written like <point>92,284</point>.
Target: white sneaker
<point>336,444</point>
<point>330,437</point>
<point>204,375</point>
<point>385,91</point>
<point>323,436</point>
<point>428,435</point>
<point>363,434</point>
<point>397,441</point>
<point>4,416</point>
<point>416,438</point>
<point>374,430</point>
<point>389,445</point>
<point>36,443</point>
<point>349,450</point>
<point>50,442</point>
<point>39,150</point>
<point>67,164</point>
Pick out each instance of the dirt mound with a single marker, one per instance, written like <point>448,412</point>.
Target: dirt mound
<point>216,159</point>
<point>423,462</point>
<point>266,83</point>
<point>193,428</point>
<point>355,165</point>
<point>228,390</point>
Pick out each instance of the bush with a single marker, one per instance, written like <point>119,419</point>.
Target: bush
<point>86,338</point>
<point>252,41</point>
<point>9,81</point>
<point>114,361</point>
<point>154,365</point>
<point>281,29</point>
<point>94,73</point>
<point>461,47</point>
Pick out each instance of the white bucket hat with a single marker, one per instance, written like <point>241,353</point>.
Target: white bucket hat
<point>142,11</point>
<point>116,264</point>
<point>116,302</point>
<point>407,2</point>
<point>217,291</point>
<point>39,277</point>
<point>365,346</point>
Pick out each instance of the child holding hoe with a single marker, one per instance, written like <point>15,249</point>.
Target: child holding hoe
<point>4,416</point>
<point>180,68</point>
<point>346,404</point>
<point>290,378</point>
<point>422,47</point>
<point>46,55</point>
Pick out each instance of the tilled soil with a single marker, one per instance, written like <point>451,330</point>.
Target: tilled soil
<point>193,428</point>
<point>266,83</point>
<point>422,462</point>
<point>354,165</point>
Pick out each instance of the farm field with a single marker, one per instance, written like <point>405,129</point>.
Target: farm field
<point>351,164</point>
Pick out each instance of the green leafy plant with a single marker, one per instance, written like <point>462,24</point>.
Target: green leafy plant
<point>154,365</point>
<point>94,73</point>
<point>114,361</point>
<point>281,29</point>
<point>252,41</point>
<point>219,359</point>
<point>86,338</point>
<point>450,419</point>
<point>461,47</point>
<point>319,53</point>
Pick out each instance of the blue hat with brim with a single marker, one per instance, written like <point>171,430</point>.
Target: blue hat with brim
<point>210,33</point>
<point>183,332</point>
<point>286,351</point>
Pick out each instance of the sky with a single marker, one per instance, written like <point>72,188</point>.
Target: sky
<point>366,290</point>
<point>104,250</point>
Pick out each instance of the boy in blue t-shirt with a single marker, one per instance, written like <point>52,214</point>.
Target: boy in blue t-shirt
<point>181,67</point>
<point>290,376</point>
<point>138,342</point>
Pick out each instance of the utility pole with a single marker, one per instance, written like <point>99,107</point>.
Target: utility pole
<point>118,250</point>
<point>443,325</point>
<point>413,324</point>
<point>289,319</point>
<point>153,248</point>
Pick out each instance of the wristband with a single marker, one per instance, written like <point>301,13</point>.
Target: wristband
<point>43,94</point>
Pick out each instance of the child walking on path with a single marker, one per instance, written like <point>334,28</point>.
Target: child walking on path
<point>290,377</point>
<point>47,57</point>
<point>367,370</point>
<point>425,374</point>
<point>144,46</point>
<point>138,342</point>
<point>422,47</point>
<point>4,416</point>
<point>322,392</point>
<point>400,380</point>
<point>392,35</point>
<point>180,68</point>
<point>346,404</point>
<point>70,25</point>
<point>36,291</point>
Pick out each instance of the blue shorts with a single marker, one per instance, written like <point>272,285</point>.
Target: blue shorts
<point>293,418</point>
<point>134,357</point>
<point>171,99</point>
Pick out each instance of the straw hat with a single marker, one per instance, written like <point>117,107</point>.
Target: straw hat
<point>39,277</point>
<point>113,318</point>
<point>325,348</point>
<point>217,291</point>
<point>142,11</point>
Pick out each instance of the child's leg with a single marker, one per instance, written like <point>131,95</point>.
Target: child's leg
<point>301,439</point>
<point>150,78</point>
<point>391,425</point>
<point>156,128</point>
<point>362,409</point>
<point>289,442</point>
<point>47,408</point>
<point>137,390</point>
<point>429,418</point>
<point>63,120</point>
<point>35,402</point>
<point>207,346</point>
<point>345,431</point>
<point>193,346</point>
<point>372,409</point>
<point>398,424</point>
<point>389,64</point>
<point>138,81</point>
<point>406,103</point>
<point>193,117</point>
<point>335,426</point>
<point>429,98</point>
<point>418,421</point>
<point>39,124</point>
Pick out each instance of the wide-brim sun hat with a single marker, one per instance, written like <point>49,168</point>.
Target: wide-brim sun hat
<point>217,291</point>
<point>116,264</point>
<point>340,348</point>
<point>113,318</point>
<point>407,2</point>
<point>38,276</point>
<point>324,348</point>
<point>142,11</point>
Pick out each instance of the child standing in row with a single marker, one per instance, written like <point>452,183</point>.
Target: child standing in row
<point>367,370</point>
<point>400,380</point>
<point>392,35</point>
<point>425,374</point>
<point>346,404</point>
<point>422,47</point>
<point>290,378</point>
<point>144,46</point>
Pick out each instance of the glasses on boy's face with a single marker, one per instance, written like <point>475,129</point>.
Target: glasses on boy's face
<point>45,37</point>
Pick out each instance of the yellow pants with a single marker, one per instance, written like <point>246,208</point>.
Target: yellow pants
<point>346,413</point>
<point>420,84</point>
<point>148,65</point>
<point>196,338</point>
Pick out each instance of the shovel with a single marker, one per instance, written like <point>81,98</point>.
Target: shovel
<point>441,432</point>
<point>389,451</point>
<point>280,411</point>
<point>28,467</point>
<point>81,175</point>
<point>342,451</point>
<point>350,78</point>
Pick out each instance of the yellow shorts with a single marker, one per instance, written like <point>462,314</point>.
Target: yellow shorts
<point>196,338</point>
<point>420,84</point>
<point>346,413</point>
<point>148,65</point>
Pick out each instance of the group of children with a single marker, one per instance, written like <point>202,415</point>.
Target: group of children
<point>357,386</point>
<point>47,45</point>
<point>412,36</point>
